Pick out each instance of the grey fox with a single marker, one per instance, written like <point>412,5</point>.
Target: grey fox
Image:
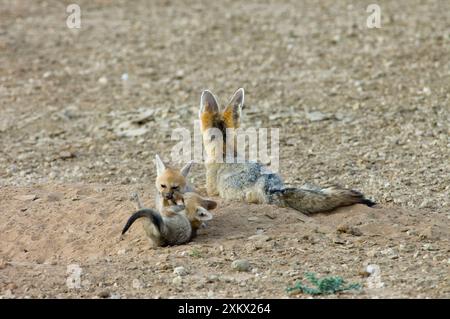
<point>176,224</point>
<point>170,183</point>
<point>251,181</point>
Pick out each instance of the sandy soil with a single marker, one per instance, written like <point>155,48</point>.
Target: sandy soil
<point>366,108</point>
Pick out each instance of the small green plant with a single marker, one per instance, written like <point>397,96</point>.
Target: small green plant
<point>323,286</point>
<point>195,253</point>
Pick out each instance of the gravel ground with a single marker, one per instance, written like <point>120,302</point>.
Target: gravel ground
<point>365,108</point>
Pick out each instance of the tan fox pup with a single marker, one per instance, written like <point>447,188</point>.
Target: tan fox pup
<point>251,181</point>
<point>174,225</point>
<point>171,184</point>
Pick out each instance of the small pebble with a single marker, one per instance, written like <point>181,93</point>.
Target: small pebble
<point>177,280</point>
<point>136,284</point>
<point>103,80</point>
<point>241,265</point>
<point>180,271</point>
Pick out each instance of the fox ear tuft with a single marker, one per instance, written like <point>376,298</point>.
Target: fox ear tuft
<point>186,168</point>
<point>208,103</point>
<point>160,167</point>
<point>232,113</point>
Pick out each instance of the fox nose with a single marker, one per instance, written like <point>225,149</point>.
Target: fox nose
<point>169,195</point>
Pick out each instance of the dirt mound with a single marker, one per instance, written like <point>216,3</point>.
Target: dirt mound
<point>46,229</point>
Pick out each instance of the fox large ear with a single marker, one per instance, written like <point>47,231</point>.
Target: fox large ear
<point>208,103</point>
<point>186,168</point>
<point>203,214</point>
<point>208,204</point>
<point>232,113</point>
<point>160,167</point>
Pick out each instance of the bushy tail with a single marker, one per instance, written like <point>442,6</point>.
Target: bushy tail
<point>154,217</point>
<point>313,200</point>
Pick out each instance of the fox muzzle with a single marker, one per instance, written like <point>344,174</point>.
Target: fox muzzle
<point>168,195</point>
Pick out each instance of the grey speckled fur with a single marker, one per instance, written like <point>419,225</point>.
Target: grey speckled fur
<point>250,182</point>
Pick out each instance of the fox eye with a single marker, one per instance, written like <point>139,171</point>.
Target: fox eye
<point>175,187</point>
<point>163,186</point>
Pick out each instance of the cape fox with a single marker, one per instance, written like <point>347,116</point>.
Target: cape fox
<point>171,184</point>
<point>251,181</point>
<point>176,224</point>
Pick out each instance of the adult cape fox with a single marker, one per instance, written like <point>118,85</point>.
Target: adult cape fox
<point>251,181</point>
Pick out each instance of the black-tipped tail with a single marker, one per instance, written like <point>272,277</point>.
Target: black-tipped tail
<point>154,217</point>
<point>313,200</point>
<point>368,202</point>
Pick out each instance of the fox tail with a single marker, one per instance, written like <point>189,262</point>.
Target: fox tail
<point>310,200</point>
<point>154,217</point>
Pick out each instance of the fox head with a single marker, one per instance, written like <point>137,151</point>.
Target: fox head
<point>170,182</point>
<point>197,208</point>
<point>218,125</point>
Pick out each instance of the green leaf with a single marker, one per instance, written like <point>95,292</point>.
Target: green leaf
<point>323,286</point>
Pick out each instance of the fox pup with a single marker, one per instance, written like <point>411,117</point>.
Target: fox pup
<point>189,199</point>
<point>171,184</point>
<point>174,225</point>
<point>251,181</point>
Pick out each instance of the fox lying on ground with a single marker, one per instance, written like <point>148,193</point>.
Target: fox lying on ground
<point>251,181</point>
<point>176,224</point>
